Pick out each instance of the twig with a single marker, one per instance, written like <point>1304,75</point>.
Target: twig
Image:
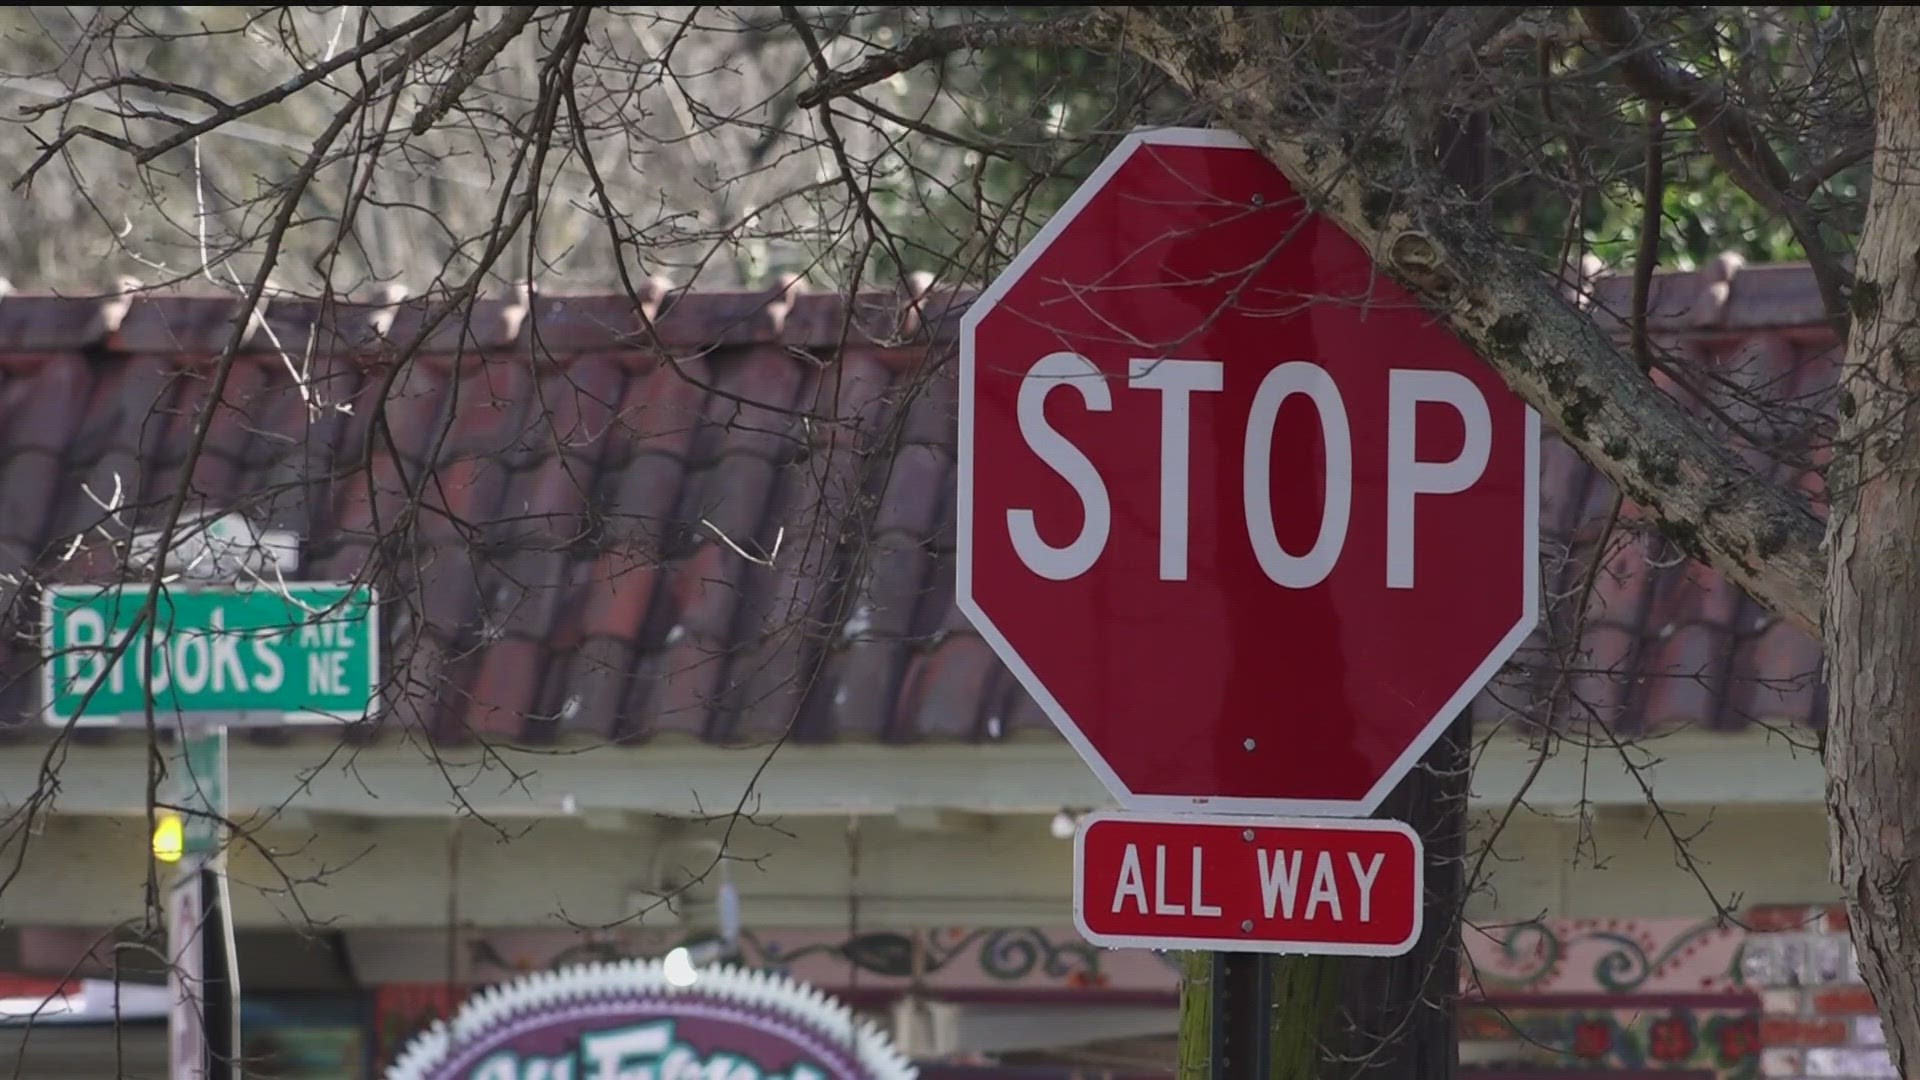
<point>877,231</point>
<point>1729,135</point>
<point>473,62</point>
<point>1098,27</point>
<point>757,560</point>
<point>435,24</point>
<point>1652,195</point>
<point>159,86</point>
<point>1853,153</point>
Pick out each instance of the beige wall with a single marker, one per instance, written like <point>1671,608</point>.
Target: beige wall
<point>946,835</point>
<point>1626,863</point>
<point>804,872</point>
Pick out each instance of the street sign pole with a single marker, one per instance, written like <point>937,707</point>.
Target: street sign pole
<point>186,977</point>
<point>1241,1047</point>
<point>204,1024</point>
<point>222,965</point>
<point>1389,1011</point>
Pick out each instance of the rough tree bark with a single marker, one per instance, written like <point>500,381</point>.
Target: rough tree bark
<point>1873,584</point>
<point>1397,1019</point>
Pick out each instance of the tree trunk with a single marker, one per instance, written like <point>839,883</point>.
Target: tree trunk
<point>1196,1016</point>
<point>1397,1019</point>
<point>1873,583</point>
<point>1306,1015</point>
<point>1360,1018</point>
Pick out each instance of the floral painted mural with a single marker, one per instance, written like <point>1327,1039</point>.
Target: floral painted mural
<point>1633,995</point>
<point>1603,956</point>
<point>1024,961</point>
<point>932,961</point>
<point>1723,1039</point>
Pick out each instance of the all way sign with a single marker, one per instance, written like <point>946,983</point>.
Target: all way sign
<point>1283,885</point>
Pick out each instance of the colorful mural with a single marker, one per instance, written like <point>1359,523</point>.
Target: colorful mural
<point>1724,1039</point>
<point>1631,994</point>
<point>949,960</point>
<point>1557,956</point>
<point>1610,994</point>
<point>1604,956</point>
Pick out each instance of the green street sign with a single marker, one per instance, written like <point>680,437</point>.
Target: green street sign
<point>249,655</point>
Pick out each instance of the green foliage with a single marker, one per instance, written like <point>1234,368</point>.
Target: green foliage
<point>1702,213</point>
<point>1793,72</point>
<point>1568,160</point>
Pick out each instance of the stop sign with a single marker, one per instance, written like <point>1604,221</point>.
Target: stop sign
<point>1242,517</point>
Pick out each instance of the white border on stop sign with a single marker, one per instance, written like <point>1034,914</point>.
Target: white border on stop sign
<point>1294,948</point>
<point>963,570</point>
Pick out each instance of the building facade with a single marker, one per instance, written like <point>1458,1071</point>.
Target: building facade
<point>668,631</point>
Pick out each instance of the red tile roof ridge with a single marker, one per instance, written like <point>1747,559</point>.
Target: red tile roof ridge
<point>1727,294</point>
<point>585,594</point>
<point>177,320</point>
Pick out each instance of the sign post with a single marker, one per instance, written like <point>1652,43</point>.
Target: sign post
<point>204,1021</point>
<point>1242,1004</point>
<point>1252,529</point>
<point>199,777</point>
<point>187,1055</point>
<point>214,656</point>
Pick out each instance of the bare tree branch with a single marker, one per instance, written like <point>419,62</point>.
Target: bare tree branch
<point>433,27</point>
<point>1710,501</point>
<point>1853,153</point>
<point>1652,194</point>
<point>161,86</point>
<point>1450,51</point>
<point>434,23</point>
<point>1729,134</point>
<point>1090,29</point>
<point>474,62</point>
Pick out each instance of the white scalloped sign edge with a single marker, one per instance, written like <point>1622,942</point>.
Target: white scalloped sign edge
<point>488,1013</point>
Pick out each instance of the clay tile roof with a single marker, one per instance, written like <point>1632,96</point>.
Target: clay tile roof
<point>591,555</point>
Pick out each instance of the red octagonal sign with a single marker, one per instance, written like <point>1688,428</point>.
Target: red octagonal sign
<point>1246,521</point>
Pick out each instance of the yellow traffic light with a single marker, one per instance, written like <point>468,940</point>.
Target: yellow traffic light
<point>169,837</point>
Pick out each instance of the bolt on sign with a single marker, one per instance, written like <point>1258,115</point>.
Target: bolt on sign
<point>251,655</point>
